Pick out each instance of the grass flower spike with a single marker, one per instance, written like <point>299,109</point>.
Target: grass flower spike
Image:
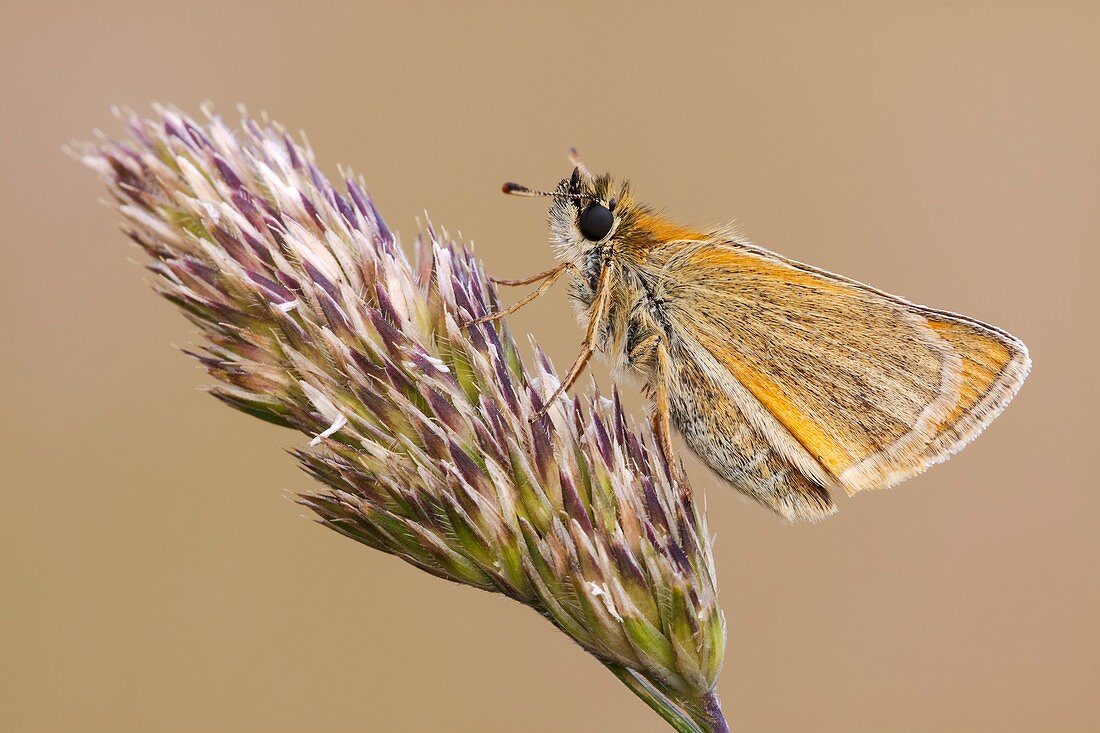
<point>423,431</point>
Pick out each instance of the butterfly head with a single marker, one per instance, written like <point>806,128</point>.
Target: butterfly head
<point>589,212</point>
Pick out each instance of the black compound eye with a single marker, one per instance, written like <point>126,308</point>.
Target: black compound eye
<point>596,222</point>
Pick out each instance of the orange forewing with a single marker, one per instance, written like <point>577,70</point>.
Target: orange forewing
<point>983,367</point>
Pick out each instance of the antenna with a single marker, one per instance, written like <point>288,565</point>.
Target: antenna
<point>516,189</point>
<point>576,162</point>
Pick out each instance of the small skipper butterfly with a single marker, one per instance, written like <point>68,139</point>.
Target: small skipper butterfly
<point>787,380</point>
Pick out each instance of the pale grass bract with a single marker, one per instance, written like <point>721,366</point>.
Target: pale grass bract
<point>428,437</point>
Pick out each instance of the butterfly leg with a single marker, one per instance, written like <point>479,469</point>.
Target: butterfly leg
<point>572,376</point>
<point>662,424</point>
<point>548,281</point>
<point>528,280</point>
<point>595,320</point>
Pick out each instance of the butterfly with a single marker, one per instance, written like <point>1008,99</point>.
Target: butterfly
<point>788,381</point>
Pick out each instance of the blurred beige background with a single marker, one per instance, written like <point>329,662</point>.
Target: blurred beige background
<point>155,577</point>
